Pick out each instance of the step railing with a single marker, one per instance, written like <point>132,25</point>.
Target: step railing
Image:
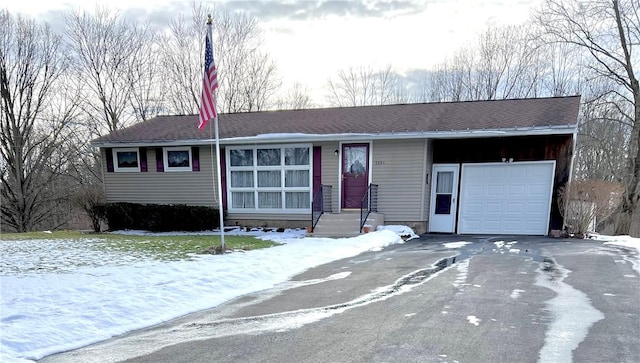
<point>321,203</point>
<point>368,204</point>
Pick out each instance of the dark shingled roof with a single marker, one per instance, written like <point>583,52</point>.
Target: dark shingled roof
<point>404,118</point>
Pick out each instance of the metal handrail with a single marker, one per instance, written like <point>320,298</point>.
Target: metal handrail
<point>317,208</point>
<point>368,204</point>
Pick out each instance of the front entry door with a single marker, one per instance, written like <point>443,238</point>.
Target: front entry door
<point>444,196</point>
<point>355,174</point>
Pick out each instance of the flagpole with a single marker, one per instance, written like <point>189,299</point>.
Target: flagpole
<point>218,168</point>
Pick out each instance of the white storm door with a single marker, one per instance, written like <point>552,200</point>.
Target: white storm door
<point>444,196</point>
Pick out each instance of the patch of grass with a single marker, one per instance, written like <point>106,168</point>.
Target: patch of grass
<point>46,235</point>
<point>158,247</point>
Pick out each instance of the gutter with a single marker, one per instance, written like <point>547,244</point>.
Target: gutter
<point>300,137</point>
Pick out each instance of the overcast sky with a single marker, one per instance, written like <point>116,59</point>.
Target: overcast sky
<point>311,40</point>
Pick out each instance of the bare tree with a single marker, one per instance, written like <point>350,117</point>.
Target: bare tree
<point>608,31</point>
<point>146,82</point>
<point>363,86</point>
<point>111,58</point>
<point>600,135</point>
<point>259,82</point>
<point>297,98</point>
<point>247,76</point>
<point>559,68</point>
<point>182,57</point>
<point>36,121</point>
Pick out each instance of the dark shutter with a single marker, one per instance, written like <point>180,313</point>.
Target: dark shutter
<point>159,161</point>
<point>223,178</point>
<point>317,169</point>
<point>143,159</point>
<point>195,158</point>
<point>109,153</point>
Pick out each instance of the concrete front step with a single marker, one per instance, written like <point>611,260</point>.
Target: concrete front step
<point>346,224</point>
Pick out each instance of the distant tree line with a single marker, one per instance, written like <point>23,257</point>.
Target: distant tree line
<point>568,48</point>
<point>103,72</point>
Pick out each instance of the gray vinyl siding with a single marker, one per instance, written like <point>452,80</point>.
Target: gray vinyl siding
<point>152,187</point>
<point>397,168</point>
<point>330,171</point>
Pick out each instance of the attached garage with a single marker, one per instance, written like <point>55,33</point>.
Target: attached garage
<point>506,198</point>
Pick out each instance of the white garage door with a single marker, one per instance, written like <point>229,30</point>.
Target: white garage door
<point>506,198</point>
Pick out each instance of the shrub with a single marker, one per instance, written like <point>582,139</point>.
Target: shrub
<point>583,203</point>
<point>159,217</point>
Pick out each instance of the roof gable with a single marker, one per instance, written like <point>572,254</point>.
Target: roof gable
<point>420,118</point>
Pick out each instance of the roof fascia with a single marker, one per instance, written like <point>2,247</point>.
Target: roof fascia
<point>288,138</point>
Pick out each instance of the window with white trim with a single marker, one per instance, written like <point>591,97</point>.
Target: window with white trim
<point>177,158</point>
<point>126,160</point>
<point>274,178</point>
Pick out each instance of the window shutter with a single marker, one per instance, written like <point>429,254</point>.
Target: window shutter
<point>195,158</point>
<point>317,169</point>
<point>143,159</point>
<point>109,153</point>
<point>223,178</point>
<point>159,160</point>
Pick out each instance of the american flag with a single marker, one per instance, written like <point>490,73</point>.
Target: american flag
<point>209,84</point>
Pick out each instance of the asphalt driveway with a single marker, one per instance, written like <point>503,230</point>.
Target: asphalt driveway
<point>494,299</point>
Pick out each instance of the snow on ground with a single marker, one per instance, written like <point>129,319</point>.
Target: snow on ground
<point>624,241</point>
<point>455,244</point>
<point>60,295</point>
<point>403,231</point>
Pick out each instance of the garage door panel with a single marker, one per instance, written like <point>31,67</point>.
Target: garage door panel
<point>538,190</point>
<point>517,190</point>
<point>476,189</point>
<point>474,208</point>
<point>513,207</point>
<point>510,198</point>
<point>473,224</point>
<point>495,208</point>
<point>536,208</point>
<point>513,227</point>
<point>516,174</point>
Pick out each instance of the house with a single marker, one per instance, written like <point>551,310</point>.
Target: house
<point>476,167</point>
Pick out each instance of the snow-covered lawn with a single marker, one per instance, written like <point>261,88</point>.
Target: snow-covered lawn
<point>58,295</point>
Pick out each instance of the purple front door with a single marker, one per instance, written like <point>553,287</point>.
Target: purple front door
<point>355,174</point>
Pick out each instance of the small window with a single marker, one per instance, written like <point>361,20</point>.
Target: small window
<point>296,156</point>
<point>177,159</point>
<point>241,157</point>
<point>242,200</point>
<point>269,178</point>
<point>241,179</point>
<point>268,157</point>
<point>126,160</point>
<point>296,178</point>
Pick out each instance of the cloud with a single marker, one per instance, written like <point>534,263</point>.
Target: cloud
<point>307,10</point>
